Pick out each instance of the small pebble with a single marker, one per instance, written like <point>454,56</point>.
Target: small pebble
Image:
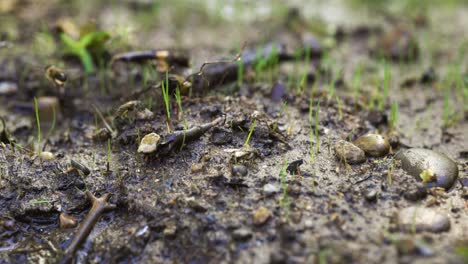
<point>349,153</point>
<point>46,155</point>
<point>416,160</point>
<point>270,189</point>
<point>149,143</point>
<point>145,115</point>
<point>242,234</point>
<point>8,88</point>
<point>239,170</point>
<point>261,216</point>
<point>371,195</point>
<point>373,145</point>
<point>170,230</point>
<point>199,206</point>
<point>415,193</point>
<point>420,219</point>
<point>220,136</point>
<point>67,221</point>
<point>293,167</point>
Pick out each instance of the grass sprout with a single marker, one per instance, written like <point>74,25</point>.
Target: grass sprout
<point>251,130</point>
<point>36,109</point>
<point>165,92</point>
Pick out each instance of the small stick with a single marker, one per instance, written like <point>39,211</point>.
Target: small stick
<point>99,205</point>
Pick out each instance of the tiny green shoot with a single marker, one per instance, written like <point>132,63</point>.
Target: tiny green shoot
<point>103,119</point>
<point>54,117</point>
<point>165,92</point>
<point>84,47</point>
<point>386,86</point>
<point>340,112</point>
<point>317,139</point>
<point>447,109</point>
<point>357,83</point>
<point>109,153</point>
<point>36,109</point>
<point>240,71</point>
<point>394,115</point>
<point>251,130</point>
<point>181,112</point>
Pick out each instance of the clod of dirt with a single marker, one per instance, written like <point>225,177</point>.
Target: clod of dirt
<point>415,193</point>
<point>293,167</point>
<point>261,216</point>
<point>349,153</point>
<point>149,143</point>
<point>145,115</point>
<point>102,134</point>
<point>415,219</point>
<point>3,132</point>
<point>398,44</point>
<point>416,160</point>
<point>374,145</point>
<point>239,170</point>
<point>170,231</point>
<point>221,136</point>
<point>393,138</point>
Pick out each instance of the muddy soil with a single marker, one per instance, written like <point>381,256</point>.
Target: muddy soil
<point>264,183</point>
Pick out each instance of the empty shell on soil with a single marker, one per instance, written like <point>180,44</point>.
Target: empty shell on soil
<point>67,221</point>
<point>245,152</point>
<point>349,153</point>
<point>149,143</point>
<point>419,161</point>
<point>373,145</point>
<point>46,155</point>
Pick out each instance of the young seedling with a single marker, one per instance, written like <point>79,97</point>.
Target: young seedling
<point>106,124</point>
<point>386,86</point>
<point>84,47</point>
<point>357,83</point>
<point>181,112</point>
<point>311,133</point>
<point>394,115</point>
<point>36,109</point>
<point>390,173</point>
<point>340,113</point>
<point>251,130</point>
<point>447,109</point>
<point>240,70</point>
<point>109,153</point>
<point>317,111</point>
<point>331,87</point>
<point>165,92</point>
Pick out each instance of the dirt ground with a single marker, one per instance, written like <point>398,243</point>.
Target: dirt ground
<point>263,183</point>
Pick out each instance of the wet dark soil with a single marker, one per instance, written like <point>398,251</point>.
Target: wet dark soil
<point>279,195</point>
